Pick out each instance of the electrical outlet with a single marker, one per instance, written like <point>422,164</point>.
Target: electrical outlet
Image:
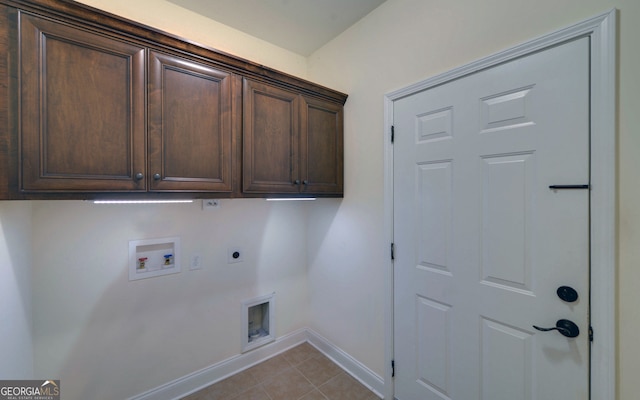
<point>209,204</point>
<point>235,255</point>
<point>196,262</point>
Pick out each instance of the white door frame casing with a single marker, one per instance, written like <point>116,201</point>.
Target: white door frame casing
<point>602,33</point>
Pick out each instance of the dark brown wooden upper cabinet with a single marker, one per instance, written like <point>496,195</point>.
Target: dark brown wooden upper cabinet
<point>190,126</point>
<point>92,105</point>
<point>271,133</point>
<point>82,113</point>
<point>322,145</point>
<point>293,144</point>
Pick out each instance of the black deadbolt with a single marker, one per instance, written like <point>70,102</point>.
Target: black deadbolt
<point>567,294</point>
<point>236,254</point>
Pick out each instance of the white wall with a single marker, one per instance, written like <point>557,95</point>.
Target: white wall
<point>401,42</point>
<point>406,41</point>
<point>15,291</point>
<point>107,337</point>
<point>171,18</point>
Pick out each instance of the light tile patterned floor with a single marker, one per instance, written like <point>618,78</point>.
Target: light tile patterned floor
<point>301,373</point>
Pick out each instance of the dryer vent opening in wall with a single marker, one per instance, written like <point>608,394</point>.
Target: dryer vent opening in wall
<point>258,322</point>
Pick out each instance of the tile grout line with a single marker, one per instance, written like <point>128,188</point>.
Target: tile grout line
<point>311,361</point>
<point>305,377</point>
<point>313,385</point>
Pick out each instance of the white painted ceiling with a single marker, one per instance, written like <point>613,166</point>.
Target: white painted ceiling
<point>301,26</point>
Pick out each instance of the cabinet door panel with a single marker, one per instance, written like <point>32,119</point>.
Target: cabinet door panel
<point>190,129</point>
<point>322,144</point>
<point>270,139</point>
<point>82,109</point>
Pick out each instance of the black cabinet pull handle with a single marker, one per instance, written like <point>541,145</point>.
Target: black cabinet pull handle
<point>305,182</point>
<point>139,176</point>
<point>156,177</point>
<point>296,182</point>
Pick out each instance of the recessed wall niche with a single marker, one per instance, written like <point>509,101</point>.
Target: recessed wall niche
<point>258,326</point>
<point>153,257</point>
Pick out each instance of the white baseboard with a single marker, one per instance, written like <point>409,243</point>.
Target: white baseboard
<point>352,366</point>
<point>193,382</point>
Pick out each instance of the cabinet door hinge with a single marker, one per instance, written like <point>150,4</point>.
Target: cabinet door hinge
<point>393,133</point>
<point>393,368</point>
<point>590,334</point>
<point>393,251</point>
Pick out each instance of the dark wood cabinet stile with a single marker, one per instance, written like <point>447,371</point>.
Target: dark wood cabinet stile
<point>94,105</point>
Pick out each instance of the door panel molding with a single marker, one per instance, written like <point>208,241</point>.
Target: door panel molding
<point>601,30</point>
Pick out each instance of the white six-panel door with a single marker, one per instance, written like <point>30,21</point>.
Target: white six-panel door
<point>483,243</point>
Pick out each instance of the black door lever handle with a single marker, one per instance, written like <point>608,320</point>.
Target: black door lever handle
<point>564,326</point>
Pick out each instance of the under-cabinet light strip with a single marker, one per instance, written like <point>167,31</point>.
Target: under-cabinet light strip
<point>140,201</point>
<point>291,198</point>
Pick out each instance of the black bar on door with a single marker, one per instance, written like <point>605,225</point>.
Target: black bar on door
<point>564,187</point>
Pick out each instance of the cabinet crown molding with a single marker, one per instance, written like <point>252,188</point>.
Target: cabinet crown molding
<point>66,10</point>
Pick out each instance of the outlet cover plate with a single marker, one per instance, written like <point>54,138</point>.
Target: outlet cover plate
<point>210,204</point>
<point>196,262</point>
